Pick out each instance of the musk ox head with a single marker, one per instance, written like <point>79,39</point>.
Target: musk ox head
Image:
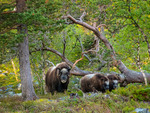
<point>63,71</point>
<point>114,79</point>
<point>115,84</point>
<point>64,74</point>
<point>104,81</point>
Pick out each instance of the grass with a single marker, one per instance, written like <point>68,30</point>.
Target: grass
<point>121,100</point>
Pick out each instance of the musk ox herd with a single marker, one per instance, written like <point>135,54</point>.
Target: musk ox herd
<point>57,80</point>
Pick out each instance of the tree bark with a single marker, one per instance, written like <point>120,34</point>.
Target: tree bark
<point>129,75</point>
<point>28,92</point>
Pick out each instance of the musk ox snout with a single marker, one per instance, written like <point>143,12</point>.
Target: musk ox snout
<point>115,84</point>
<point>113,81</point>
<point>106,85</point>
<point>64,78</point>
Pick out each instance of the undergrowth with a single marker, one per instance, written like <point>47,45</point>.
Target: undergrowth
<point>121,100</point>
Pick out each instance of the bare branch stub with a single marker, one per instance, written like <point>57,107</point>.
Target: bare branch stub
<point>64,44</point>
<point>82,16</point>
<point>8,29</point>
<point>82,57</point>
<point>8,12</point>
<point>101,25</point>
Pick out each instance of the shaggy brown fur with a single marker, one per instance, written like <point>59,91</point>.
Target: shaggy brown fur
<point>113,81</point>
<point>57,78</point>
<point>94,82</point>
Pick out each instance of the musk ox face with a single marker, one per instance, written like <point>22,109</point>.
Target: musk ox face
<point>63,74</point>
<point>106,85</point>
<point>114,80</point>
<point>104,81</point>
<point>115,84</point>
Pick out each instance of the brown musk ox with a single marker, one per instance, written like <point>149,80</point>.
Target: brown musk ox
<point>94,83</point>
<point>57,78</point>
<point>113,81</point>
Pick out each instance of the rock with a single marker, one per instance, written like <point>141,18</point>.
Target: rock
<point>142,110</point>
<point>74,96</point>
<point>19,86</point>
<point>11,93</point>
<point>18,94</point>
<point>1,90</point>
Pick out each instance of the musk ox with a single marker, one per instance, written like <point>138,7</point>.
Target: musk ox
<point>113,81</point>
<point>94,83</point>
<point>57,78</point>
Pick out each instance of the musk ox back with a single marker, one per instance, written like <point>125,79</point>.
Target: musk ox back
<point>113,81</point>
<point>94,82</point>
<point>57,78</point>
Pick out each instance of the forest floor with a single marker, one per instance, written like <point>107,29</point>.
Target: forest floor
<point>122,100</point>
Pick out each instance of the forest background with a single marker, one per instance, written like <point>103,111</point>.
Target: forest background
<point>109,35</point>
<point>53,38</point>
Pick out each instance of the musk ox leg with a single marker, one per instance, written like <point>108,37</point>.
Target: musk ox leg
<point>47,90</point>
<point>59,89</point>
<point>94,90</point>
<point>52,92</point>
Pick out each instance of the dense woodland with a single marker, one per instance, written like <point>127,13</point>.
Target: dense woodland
<point>92,36</point>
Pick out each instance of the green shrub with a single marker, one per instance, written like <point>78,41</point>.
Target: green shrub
<point>135,91</point>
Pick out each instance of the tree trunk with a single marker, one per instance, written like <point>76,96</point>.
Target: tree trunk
<point>130,76</point>
<point>28,92</point>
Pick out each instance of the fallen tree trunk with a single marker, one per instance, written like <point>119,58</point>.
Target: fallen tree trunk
<point>130,76</point>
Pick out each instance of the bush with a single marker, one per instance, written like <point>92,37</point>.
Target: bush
<point>135,91</point>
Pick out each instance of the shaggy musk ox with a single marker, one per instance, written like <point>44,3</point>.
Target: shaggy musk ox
<point>57,78</point>
<point>113,81</point>
<point>94,83</point>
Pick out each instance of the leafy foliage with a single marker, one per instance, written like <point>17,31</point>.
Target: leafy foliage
<point>135,91</point>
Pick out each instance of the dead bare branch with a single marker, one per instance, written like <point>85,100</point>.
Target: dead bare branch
<point>82,16</point>
<point>8,29</point>
<point>129,75</point>
<point>64,43</point>
<point>82,49</point>
<point>8,12</point>
<point>96,32</point>
<point>101,25</point>
<point>82,57</point>
<point>76,71</point>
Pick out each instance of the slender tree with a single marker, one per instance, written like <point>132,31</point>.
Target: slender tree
<point>28,92</point>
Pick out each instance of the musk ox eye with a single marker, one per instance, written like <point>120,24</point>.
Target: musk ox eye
<point>69,69</point>
<point>67,73</point>
<point>102,80</point>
